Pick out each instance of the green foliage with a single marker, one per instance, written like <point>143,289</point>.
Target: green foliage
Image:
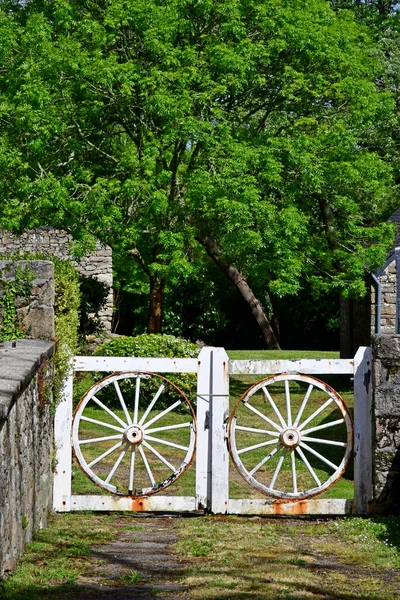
<point>151,345</point>
<point>66,307</point>
<point>251,121</point>
<point>260,123</point>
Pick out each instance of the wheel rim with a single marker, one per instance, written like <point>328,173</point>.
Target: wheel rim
<point>272,441</point>
<point>123,450</point>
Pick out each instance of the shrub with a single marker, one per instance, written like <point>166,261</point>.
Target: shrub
<point>66,309</point>
<point>155,345</point>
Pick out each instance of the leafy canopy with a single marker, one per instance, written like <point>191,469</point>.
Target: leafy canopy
<point>147,124</point>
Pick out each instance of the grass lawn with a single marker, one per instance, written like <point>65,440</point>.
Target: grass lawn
<point>238,558</point>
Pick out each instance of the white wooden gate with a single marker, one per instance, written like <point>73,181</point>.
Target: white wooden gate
<point>213,369</point>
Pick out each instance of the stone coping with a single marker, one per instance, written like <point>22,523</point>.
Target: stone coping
<point>19,363</point>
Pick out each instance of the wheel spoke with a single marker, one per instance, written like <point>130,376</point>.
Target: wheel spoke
<point>159,456</point>
<point>110,412</point>
<point>309,467</point>
<point>265,418</point>
<point>288,407</point>
<point>136,407</point>
<point>122,402</point>
<point>152,403</point>
<point>169,427</point>
<point>294,477</point>
<point>318,455</point>
<point>265,459</point>
<point>324,426</point>
<point>103,424</point>
<point>278,468</point>
<point>106,453</point>
<point>321,441</point>
<point>303,405</point>
<point>274,407</point>
<point>165,412</point>
<point>132,469</point>
<point>115,467</point>
<point>252,430</point>
<point>100,439</point>
<point>147,467</point>
<point>172,444</point>
<point>316,413</point>
<point>261,445</point>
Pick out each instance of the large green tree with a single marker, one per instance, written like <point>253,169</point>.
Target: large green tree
<point>242,127</point>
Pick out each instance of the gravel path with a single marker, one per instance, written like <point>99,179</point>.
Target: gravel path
<point>138,563</point>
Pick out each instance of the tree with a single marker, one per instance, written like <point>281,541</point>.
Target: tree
<point>155,126</point>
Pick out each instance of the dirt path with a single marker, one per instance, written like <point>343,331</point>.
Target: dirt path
<point>138,563</point>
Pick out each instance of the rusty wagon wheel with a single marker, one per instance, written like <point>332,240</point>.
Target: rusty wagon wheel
<point>134,433</point>
<point>290,436</point>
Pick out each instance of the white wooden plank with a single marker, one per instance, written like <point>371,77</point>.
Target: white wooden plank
<point>203,445</point>
<point>362,430</point>
<point>336,506</point>
<point>307,366</point>
<point>125,503</point>
<point>130,363</point>
<point>63,451</point>
<point>219,418</point>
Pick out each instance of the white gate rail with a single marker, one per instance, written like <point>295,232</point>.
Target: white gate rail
<point>213,368</point>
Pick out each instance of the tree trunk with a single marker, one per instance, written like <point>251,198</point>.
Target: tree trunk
<point>157,288</point>
<point>247,293</point>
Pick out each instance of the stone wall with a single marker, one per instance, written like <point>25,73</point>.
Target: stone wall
<point>388,280</point>
<point>26,445</point>
<point>35,310</point>
<point>386,448</point>
<point>54,241</point>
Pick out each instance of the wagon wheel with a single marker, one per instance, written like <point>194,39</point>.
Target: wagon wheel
<point>134,433</point>
<point>290,436</point>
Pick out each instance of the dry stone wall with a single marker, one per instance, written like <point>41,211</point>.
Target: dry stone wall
<point>26,445</point>
<point>58,243</point>
<point>386,448</point>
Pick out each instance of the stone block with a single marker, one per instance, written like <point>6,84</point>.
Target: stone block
<point>387,347</point>
<point>387,402</point>
<point>38,322</point>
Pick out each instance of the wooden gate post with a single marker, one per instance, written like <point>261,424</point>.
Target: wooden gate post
<point>62,442</point>
<point>219,419</point>
<point>203,444</point>
<point>362,430</point>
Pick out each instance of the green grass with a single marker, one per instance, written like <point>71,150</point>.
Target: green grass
<point>223,558</point>
<point>280,354</point>
<point>270,559</point>
<point>57,556</point>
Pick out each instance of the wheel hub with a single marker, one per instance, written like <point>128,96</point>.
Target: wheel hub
<point>134,434</point>
<point>290,437</point>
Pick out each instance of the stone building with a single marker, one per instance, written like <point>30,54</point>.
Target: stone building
<point>58,243</point>
<point>379,310</point>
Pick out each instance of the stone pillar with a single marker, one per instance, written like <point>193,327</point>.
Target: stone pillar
<point>35,310</point>
<point>386,351</point>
